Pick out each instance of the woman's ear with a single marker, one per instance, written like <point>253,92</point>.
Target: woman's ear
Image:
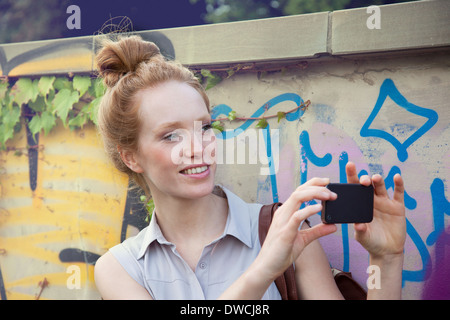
<point>129,158</point>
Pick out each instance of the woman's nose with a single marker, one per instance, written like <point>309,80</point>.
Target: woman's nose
<point>193,146</point>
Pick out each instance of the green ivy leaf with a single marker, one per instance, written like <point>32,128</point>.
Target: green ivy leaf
<point>233,70</point>
<point>97,89</point>
<point>63,103</point>
<point>45,84</point>
<point>212,79</point>
<point>48,121</point>
<point>62,83</point>
<point>92,109</point>
<point>3,135</point>
<point>149,206</point>
<point>232,115</point>
<point>49,101</point>
<point>9,119</point>
<point>79,121</point>
<point>5,104</point>
<point>217,125</point>
<point>81,84</point>
<point>39,105</point>
<point>5,97</point>
<point>83,116</point>
<point>262,123</point>
<point>45,121</point>
<point>230,72</point>
<point>24,90</point>
<point>280,115</point>
<point>3,89</point>
<point>35,125</point>
<point>50,97</point>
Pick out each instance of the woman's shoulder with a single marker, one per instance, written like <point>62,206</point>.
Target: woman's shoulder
<point>124,286</point>
<point>131,246</point>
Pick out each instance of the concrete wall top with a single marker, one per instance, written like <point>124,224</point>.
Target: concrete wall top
<point>421,24</point>
<point>405,26</point>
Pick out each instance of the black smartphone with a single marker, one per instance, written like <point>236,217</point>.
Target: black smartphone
<point>354,204</point>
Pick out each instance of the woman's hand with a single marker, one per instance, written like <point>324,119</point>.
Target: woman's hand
<point>386,234</point>
<point>284,241</point>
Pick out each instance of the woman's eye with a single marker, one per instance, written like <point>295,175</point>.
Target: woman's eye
<point>172,137</point>
<point>206,127</point>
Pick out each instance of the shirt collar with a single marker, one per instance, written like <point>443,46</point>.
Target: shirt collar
<point>238,224</point>
<point>239,219</point>
<point>152,233</point>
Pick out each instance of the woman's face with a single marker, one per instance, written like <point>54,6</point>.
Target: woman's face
<point>176,142</point>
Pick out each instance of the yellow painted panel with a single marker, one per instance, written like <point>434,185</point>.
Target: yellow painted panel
<point>78,204</point>
<point>68,63</point>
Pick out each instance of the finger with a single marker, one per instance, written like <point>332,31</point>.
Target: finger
<point>316,232</point>
<point>315,182</point>
<point>399,188</point>
<point>361,227</point>
<point>360,230</point>
<point>296,219</point>
<point>300,196</point>
<point>306,212</point>
<point>352,176</point>
<point>365,180</point>
<point>380,187</point>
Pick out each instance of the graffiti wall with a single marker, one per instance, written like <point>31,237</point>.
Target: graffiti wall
<point>387,116</point>
<point>62,204</point>
<point>58,214</point>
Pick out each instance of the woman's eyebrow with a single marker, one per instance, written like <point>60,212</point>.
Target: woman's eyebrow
<point>168,125</point>
<point>178,124</point>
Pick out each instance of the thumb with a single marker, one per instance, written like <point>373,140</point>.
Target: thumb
<point>361,233</point>
<point>360,227</point>
<point>316,232</point>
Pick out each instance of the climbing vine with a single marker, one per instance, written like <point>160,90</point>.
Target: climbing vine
<point>40,102</point>
<point>212,78</point>
<point>74,100</point>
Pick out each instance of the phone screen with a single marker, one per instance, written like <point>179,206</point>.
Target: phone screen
<point>354,204</point>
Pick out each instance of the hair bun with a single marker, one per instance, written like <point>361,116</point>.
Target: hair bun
<point>118,58</point>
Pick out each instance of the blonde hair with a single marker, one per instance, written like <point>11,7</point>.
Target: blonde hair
<point>127,66</point>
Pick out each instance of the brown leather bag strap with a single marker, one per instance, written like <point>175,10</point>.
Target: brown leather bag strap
<point>286,282</point>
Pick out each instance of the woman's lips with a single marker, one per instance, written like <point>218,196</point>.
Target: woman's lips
<point>198,172</point>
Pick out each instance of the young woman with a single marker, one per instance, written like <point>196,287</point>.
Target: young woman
<point>202,241</point>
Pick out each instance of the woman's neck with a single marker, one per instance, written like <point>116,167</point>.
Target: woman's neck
<point>191,220</point>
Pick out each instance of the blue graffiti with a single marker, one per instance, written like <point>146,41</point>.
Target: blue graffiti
<point>343,159</point>
<point>388,89</point>
<point>440,204</point>
<point>267,140</point>
<point>307,153</point>
<point>440,237</point>
<point>441,207</point>
<point>223,109</point>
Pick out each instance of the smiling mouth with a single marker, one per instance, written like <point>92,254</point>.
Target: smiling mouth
<point>194,170</point>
